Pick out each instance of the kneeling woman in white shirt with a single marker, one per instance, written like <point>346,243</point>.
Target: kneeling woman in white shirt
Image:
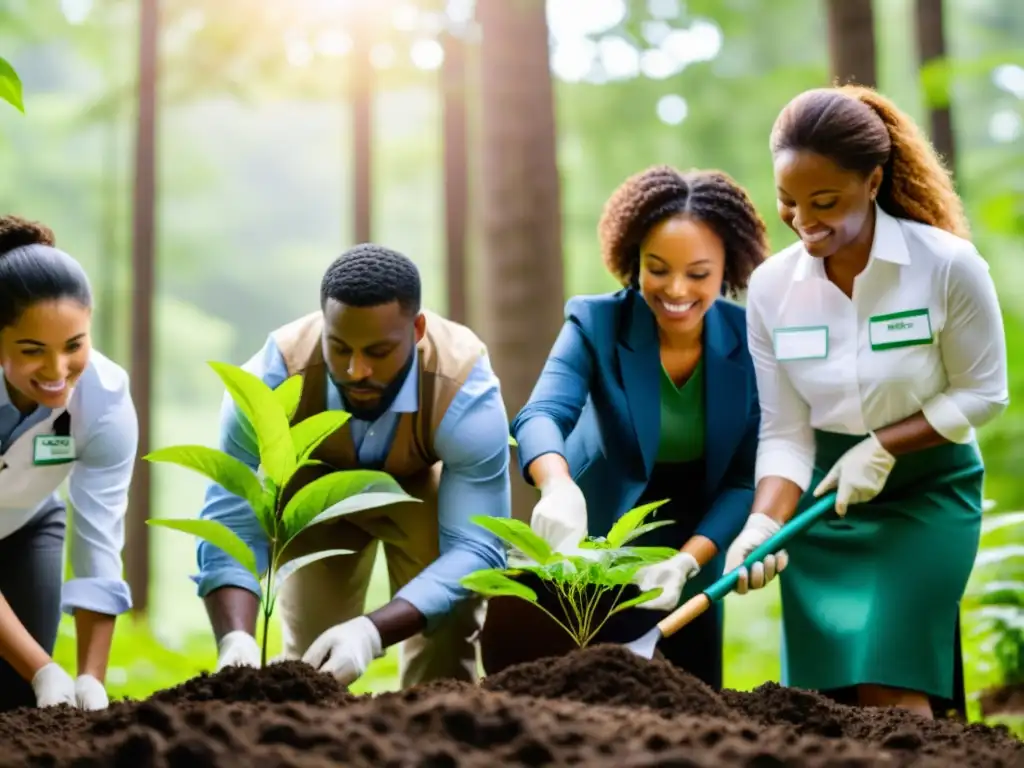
<point>878,346</point>
<point>65,413</point>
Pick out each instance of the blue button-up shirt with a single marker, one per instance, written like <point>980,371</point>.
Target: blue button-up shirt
<point>106,431</point>
<point>471,441</point>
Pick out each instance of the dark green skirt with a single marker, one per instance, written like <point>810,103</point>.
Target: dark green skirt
<point>874,598</point>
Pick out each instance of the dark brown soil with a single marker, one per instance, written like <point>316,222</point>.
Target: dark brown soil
<point>599,707</point>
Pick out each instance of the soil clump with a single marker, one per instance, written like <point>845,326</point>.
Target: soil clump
<point>598,707</point>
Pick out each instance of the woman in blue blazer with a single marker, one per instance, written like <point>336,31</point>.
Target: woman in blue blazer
<point>649,393</point>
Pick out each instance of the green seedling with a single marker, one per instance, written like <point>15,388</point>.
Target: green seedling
<point>578,579</point>
<point>10,86</point>
<point>283,450</point>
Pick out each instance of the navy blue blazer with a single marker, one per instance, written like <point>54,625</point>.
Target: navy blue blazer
<point>597,403</point>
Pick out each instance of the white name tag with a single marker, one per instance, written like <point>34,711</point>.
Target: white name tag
<point>53,449</point>
<point>900,329</point>
<point>809,343</point>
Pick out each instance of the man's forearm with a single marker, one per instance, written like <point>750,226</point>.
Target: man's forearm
<point>231,609</point>
<point>397,621</point>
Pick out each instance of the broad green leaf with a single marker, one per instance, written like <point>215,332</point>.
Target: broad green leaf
<point>643,597</point>
<point>309,433</point>
<point>288,394</point>
<point>994,522</point>
<point>493,583</point>
<point>288,569</point>
<point>218,466</point>
<point>648,555</point>
<point>217,534</point>
<point>324,492</point>
<point>518,534</point>
<point>645,529</point>
<point>263,410</point>
<point>10,86</point>
<point>360,502</point>
<point>629,521</point>
<point>999,555</point>
<point>619,575</point>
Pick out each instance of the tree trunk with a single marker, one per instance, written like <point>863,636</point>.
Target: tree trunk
<point>136,553</point>
<point>851,39</point>
<point>456,170</point>
<point>520,203</point>
<point>931,45</point>
<point>360,89</point>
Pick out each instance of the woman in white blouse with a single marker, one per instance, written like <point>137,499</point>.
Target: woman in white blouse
<point>879,349</point>
<point>65,414</point>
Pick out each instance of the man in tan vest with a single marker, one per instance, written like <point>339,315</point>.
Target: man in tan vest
<point>426,408</point>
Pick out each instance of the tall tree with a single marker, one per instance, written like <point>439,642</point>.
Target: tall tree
<point>143,238</point>
<point>520,206</point>
<point>931,45</point>
<point>851,38</point>
<point>456,171</point>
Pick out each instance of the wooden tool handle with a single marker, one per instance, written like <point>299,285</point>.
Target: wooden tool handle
<point>697,604</point>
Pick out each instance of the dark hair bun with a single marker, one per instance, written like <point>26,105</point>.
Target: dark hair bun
<point>16,232</point>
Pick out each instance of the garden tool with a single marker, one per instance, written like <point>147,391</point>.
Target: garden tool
<point>696,605</point>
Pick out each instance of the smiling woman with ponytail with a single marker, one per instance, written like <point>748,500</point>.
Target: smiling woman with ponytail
<point>65,413</point>
<point>879,349</point>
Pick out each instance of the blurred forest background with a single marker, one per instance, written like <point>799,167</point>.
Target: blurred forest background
<point>206,159</point>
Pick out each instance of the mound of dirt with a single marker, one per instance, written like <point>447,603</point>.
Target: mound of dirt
<point>602,707</point>
<point>611,675</point>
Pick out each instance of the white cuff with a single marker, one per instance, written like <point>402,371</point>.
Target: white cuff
<point>783,460</point>
<point>947,419</point>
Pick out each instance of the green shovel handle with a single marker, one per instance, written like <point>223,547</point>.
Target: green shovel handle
<point>798,524</point>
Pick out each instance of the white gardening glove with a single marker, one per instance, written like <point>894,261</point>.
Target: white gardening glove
<point>346,650</point>
<point>53,686</point>
<point>671,575</point>
<point>560,517</point>
<point>757,531</point>
<point>238,649</point>
<point>90,693</point>
<point>860,474</point>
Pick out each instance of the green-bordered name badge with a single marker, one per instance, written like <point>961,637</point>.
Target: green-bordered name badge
<point>53,449</point>
<point>900,329</point>
<point>801,343</point>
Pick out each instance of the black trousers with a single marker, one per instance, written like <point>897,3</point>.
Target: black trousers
<point>516,631</point>
<point>31,577</point>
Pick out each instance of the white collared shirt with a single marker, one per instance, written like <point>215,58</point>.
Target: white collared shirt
<point>922,332</point>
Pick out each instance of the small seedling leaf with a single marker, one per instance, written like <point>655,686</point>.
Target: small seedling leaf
<point>10,86</point>
<point>512,442</point>
<point>644,529</point>
<point>264,412</point>
<point>221,468</point>
<point>361,502</point>
<point>630,521</point>
<point>309,433</point>
<point>288,394</point>
<point>217,534</point>
<point>640,599</point>
<point>324,492</point>
<point>288,569</point>
<point>493,583</point>
<point>517,534</point>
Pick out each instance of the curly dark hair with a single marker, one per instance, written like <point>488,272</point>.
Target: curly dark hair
<point>860,130</point>
<point>660,192</point>
<point>33,270</point>
<point>370,275</point>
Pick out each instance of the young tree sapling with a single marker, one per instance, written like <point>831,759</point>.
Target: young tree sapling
<point>578,579</point>
<point>283,450</point>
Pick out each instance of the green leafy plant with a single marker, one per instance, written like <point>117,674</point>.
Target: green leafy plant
<point>995,600</point>
<point>599,566</point>
<point>283,451</point>
<point>10,86</point>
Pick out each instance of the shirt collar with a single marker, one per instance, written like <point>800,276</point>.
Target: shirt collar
<point>406,401</point>
<point>5,399</point>
<point>888,245</point>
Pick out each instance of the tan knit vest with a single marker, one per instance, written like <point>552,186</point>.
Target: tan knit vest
<point>446,355</point>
